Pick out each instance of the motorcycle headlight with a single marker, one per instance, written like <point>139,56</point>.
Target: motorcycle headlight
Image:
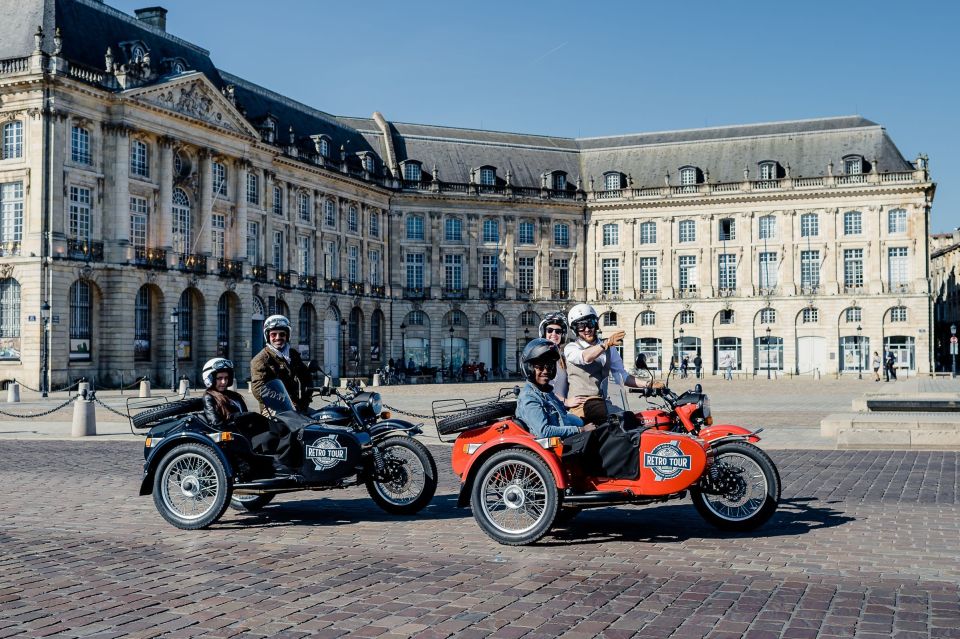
<point>376,403</point>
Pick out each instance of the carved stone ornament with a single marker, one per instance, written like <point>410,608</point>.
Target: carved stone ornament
<point>6,270</point>
<point>357,300</point>
<point>687,306</point>
<point>231,285</point>
<point>417,306</point>
<point>151,277</point>
<point>280,294</point>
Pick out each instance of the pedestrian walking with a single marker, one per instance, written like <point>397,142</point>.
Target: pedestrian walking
<point>673,364</point>
<point>891,366</point>
<point>876,365</point>
<point>728,367</point>
<point>698,365</point>
<point>684,365</point>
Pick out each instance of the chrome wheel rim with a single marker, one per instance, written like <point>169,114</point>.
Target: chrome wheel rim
<point>514,497</point>
<point>749,494</point>
<point>189,486</point>
<point>409,478</point>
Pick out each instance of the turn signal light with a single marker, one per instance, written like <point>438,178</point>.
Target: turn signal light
<point>222,436</point>
<point>385,414</point>
<point>471,448</point>
<point>709,421</point>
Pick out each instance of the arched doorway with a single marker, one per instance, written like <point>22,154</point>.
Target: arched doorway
<point>354,327</point>
<point>493,343</point>
<point>256,325</point>
<point>331,342</point>
<point>306,319</point>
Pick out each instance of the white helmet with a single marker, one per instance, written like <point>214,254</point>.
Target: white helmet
<point>273,323</point>
<point>581,313</point>
<point>214,366</point>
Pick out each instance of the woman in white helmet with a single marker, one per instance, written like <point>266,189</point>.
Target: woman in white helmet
<point>278,361</point>
<point>220,404</point>
<point>590,361</point>
<point>554,328</point>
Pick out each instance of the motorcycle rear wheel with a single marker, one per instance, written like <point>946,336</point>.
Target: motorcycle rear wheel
<point>414,476</point>
<point>754,497</point>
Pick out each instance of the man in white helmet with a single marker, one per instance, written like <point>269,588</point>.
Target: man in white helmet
<point>590,361</point>
<point>278,361</point>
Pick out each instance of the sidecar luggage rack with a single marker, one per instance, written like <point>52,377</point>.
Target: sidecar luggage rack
<point>451,416</point>
<point>146,411</point>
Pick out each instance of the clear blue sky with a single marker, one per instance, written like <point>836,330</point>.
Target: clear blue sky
<point>602,68</point>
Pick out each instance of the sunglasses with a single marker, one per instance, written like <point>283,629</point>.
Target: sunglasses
<point>591,323</point>
<point>559,331</point>
<point>548,366</point>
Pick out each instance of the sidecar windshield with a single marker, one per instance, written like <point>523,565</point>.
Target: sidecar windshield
<point>275,397</point>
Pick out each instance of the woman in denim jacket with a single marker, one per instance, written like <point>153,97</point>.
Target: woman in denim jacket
<point>537,406</point>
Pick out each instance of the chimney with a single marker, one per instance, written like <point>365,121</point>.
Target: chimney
<point>154,16</point>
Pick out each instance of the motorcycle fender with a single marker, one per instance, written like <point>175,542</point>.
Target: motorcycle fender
<point>476,460</point>
<point>156,454</point>
<point>387,427</point>
<point>713,433</point>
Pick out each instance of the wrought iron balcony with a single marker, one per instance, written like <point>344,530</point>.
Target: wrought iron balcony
<point>611,296</point>
<point>767,290</point>
<point>726,291</point>
<point>308,282</point>
<point>378,291</point>
<point>229,268</point>
<point>259,273</point>
<point>355,288</point>
<point>284,279</point>
<point>857,289</point>
<point>648,295</point>
<point>84,250</point>
<point>493,293</point>
<point>809,289</point>
<point>524,293</point>
<point>191,263</point>
<point>150,257</point>
<point>559,294</point>
<point>457,293</point>
<point>9,248</point>
<point>416,293</point>
<point>688,292</point>
<point>333,285</point>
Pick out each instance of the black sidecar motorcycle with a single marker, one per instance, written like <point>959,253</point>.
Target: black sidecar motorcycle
<point>194,471</point>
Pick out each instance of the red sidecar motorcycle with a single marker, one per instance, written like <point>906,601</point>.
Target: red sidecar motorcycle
<point>518,486</point>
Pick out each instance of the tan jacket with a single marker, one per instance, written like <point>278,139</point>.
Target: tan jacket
<point>267,365</point>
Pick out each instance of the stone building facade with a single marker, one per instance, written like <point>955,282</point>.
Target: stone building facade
<point>152,204</point>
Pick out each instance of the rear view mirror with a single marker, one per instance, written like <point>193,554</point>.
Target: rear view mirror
<point>698,388</point>
<point>327,381</point>
<point>641,361</point>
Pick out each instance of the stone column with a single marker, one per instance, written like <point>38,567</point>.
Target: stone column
<point>239,241</point>
<point>162,220</point>
<point>707,258</point>
<point>667,258</point>
<point>788,253</point>
<point>747,256</point>
<point>473,262</point>
<point>591,286</point>
<point>544,284</point>
<point>508,256</point>
<point>202,241</point>
<point>629,260</point>
<point>395,269</point>
<point>436,268</point>
<point>115,227</point>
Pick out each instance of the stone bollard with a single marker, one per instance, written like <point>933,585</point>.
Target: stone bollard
<point>13,393</point>
<point>184,389</point>
<point>84,417</point>
<point>376,379</point>
<point>439,377</point>
<point>83,388</point>
<point>144,388</point>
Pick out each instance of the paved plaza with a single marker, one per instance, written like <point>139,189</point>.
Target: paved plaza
<point>864,544</point>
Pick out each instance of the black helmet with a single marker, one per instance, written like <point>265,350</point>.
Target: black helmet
<point>538,349</point>
<point>553,318</point>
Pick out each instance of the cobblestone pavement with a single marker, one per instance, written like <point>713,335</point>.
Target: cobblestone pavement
<point>865,544</point>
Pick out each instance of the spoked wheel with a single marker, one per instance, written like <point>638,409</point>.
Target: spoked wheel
<point>411,476</point>
<point>191,488</point>
<point>515,497</point>
<point>250,503</point>
<point>744,492</point>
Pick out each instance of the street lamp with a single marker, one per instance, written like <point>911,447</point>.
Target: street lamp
<point>859,353</point>
<point>346,354</point>
<point>680,348</point>
<point>44,337</point>
<point>768,352</point>
<point>953,350</point>
<point>403,345</point>
<point>451,351</point>
<point>174,317</point>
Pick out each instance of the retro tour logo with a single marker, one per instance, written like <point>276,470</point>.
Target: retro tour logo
<point>666,461</point>
<point>326,452</point>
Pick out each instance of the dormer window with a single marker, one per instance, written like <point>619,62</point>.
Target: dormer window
<point>612,181</point>
<point>559,181</point>
<point>369,164</point>
<point>488,176</point>
<point>412,171</point>
<point>768,170</point>
<point>269,129</point>
<point>853,165</point>
<point>688,175</point>
<point>137,54</point>
<point>321,143</point>
<point>178,67</point>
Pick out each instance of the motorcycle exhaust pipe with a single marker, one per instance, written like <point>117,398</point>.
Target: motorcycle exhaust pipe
<point>603,498</point>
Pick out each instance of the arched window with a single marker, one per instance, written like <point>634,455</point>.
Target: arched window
<point>648,318</point>
<point>142,329</point>
<point>609,318</point>
<point>686,317</point>
<point>612,181</point>
<point>305,329</point>
<point>223,326</point>
<point>488,176</point>
<point>353,333</point>
<point>411,171</point>
<point>416,318</point>
<point>529,318</point>
<point>376,335</point>
<point>139,159</point>
<point>9,319</point>
<point>12,140</point>
<point>455,318</point>
<point>182,226</point>
<point>185,325</point>
<point>688,175</point>
<point>491,318</point>
<point>80,145</point>
<point>81,317</point>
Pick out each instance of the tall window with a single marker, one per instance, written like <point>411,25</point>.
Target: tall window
<point>353,220</point>
<point>138,222</point>
<point>411,172</point>
<point>559,181</point>
<point>491,230</point>
<point>182,235</point>
<point>331,260</point>
<point>253,188</point>
<point>80,213</point>
<point>369,164</point>
<point>278,250</point>
<point>490,272</point>
<point>852,223</point>
<point>303,207</point>
<point>768,227</point>
<point>727,271</point>
<point>218,227</point>
<point>277,200</point>
<point>12,140</point>
<point>648,274</point>
<point>648,232</point>
<point>488,177</point>
<point>415,227</point>
<point>561,276</point>
<point>453,229</point>
<point>853,267</point>
<point>525,233</point>
<point>80,145</point>
<point>611,234</point>
<point>610,269</point>
<point>415,270</point>
<point>329,214</point>
<point>325,147</point>
<point>612,181</point>
<point>727,229</point>
<point>11,214</point>
<point>185,325</point>
<point>304,255</point>
<point>139,159</point>
<point>253,242</point>
<point>688,231</point>
<point>809,225</point>
<point>142,333</point>
<point>353,263</point>
<point>688,272</point>
<point>373,257</point>
<point>899,268</point>
<point>525,270</point>
<point>897,221</point>
<point>80,321</point>
<point>9,319</point>
<point>561,235</point>
<point>810,269</point>
<point>219,179</point>
<point>453,272</point>
<point>768,270</point>
<point>374,224</point>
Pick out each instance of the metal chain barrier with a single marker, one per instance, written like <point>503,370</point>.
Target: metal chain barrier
<point>44,413</point>
<point>112,410</point>
<point>63,388</point>
<point>403,412</point>
<point>35,390</point>
<point>131,386</point>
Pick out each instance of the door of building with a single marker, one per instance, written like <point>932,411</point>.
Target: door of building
<point>811,355</point>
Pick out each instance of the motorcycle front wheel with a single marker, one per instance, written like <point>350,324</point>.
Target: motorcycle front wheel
<point>746,490</point>
<point>411,476</point>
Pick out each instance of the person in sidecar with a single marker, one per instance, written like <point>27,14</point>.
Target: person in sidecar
<point>537,406</point>
<point>220,404</point>
<point>278,361</point>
